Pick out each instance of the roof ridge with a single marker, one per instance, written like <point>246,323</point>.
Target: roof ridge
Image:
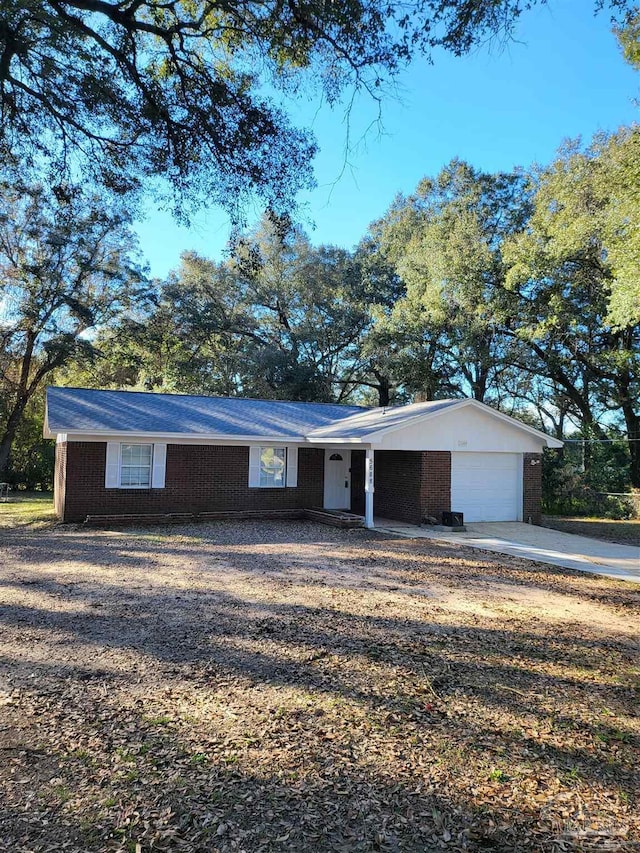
<point>364,409</point>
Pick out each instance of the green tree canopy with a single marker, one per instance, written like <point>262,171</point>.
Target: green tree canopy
<point>628,35</point>
<point>66,266</point>
<point>135,89</point>
<point>573,278</point>
<point>445,241</point>
<point>279,319</point>
<point>588,202</point>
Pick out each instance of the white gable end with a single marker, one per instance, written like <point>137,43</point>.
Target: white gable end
<point>465,428</point>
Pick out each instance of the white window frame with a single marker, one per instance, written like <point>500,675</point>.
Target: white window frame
<point>283,484</point>
<point>290,478</point>
<point>122,485</point>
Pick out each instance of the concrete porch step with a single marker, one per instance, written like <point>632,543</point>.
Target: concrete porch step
<point>335,517</point>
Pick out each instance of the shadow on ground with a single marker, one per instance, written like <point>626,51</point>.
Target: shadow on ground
<point>273,687</point>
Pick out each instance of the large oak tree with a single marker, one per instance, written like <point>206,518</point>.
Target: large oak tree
<point>192,90</point>
<point>445,241</point>
<point>66,266</point>
<point>573,279</point>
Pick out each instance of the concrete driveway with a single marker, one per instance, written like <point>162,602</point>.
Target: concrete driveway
<point>537,543</point>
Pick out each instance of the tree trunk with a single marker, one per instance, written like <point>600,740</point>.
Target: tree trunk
<point>479,387</point>
<point>634,452</point>
<point>623,383</point>
<point>383,388</point>
<point>22,398</point>
<point>8,436</point>
<point>580,398</point>
<point>632,422</point>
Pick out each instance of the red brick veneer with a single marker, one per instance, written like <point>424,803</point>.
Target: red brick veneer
<point>409,484</point>
<point>532,488</point>
<point>398,483</point>
<point>435,491</point>
<point>199,478</point>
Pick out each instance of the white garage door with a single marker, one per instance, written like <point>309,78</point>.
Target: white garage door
<point>487,486</point>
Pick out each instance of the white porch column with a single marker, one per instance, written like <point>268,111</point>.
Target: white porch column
<point>368,487</point>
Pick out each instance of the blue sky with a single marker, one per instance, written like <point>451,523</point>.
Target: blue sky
<point>498,108</point>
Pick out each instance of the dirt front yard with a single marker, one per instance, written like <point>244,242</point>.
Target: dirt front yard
<point>291,687</point>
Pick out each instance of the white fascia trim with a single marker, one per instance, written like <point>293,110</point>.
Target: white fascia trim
<point>320,442</point>
<point>193,438</point>
<point>180,437</point>
<point>375,437</point>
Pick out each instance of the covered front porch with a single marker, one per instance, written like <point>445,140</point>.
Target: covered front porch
<point>401,485</point>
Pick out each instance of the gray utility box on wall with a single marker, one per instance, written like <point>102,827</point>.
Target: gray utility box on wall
<point>453,519</point>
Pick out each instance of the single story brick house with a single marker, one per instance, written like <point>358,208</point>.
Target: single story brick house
<point>126,452</point>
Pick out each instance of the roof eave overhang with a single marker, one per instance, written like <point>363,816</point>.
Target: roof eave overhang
<point>314,437</point>
<point>376,436</point>
<point>192,436</point>
<point>176,436</point>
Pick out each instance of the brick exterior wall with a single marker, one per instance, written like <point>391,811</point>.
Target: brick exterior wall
<point>532,488</point>
<point>435,489</point>
<point>60,478</point>
<point>409,484</point>
<point>199,478</point>
<point>397,477</point>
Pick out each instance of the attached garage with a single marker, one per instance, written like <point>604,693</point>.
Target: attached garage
<point>130,453</point>
<point>487,486</point>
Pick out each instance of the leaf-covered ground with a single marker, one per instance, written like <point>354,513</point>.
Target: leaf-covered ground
<point>292,687</point>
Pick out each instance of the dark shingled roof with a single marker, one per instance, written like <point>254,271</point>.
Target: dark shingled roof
<point>87,410</point>
<point>83,410</point>
<point>371,421</point>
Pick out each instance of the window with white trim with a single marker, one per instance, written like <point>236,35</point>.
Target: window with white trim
<point>135,466</point>
<point>273,467</point>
